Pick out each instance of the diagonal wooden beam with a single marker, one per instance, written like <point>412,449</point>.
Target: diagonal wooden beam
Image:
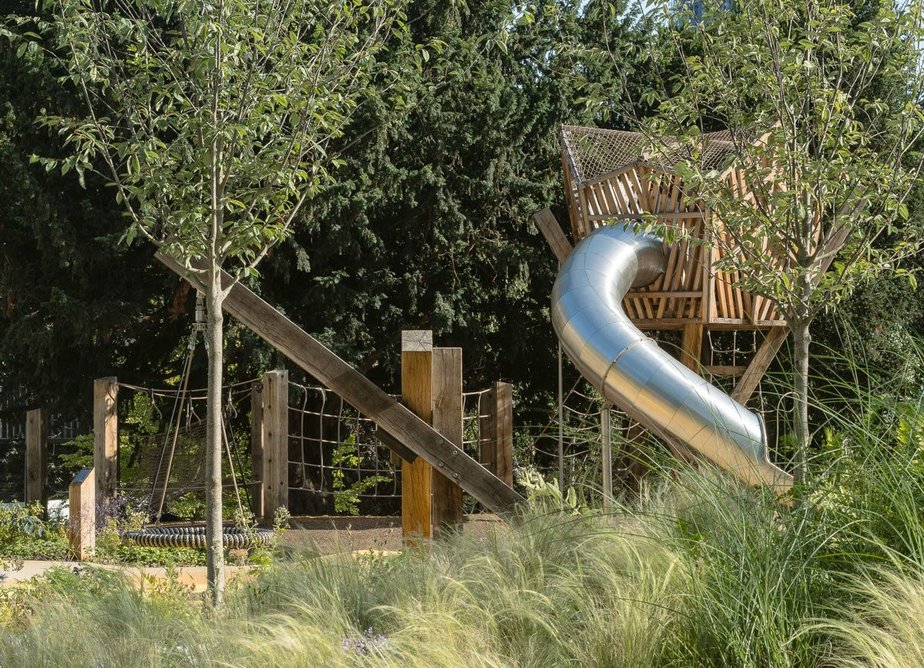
<point>367,397</point>
<point>554,235</point>
<point>765,354</point>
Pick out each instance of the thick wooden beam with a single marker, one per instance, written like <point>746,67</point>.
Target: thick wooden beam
<point>275,443</point>
<point>398,449</point>
<point>447,420</point>
<point>691,346</point>
<point>256,452</point>
<point>312,356</point>
<point>82,514</point>
<point>761,361</point>
<point>496,407</point>
<point>37,456</point>
<point>106,437</point>
<point>417,394</point>
<point>554,235</point>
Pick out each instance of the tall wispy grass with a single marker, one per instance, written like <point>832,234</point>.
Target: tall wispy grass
<point>699,571</point>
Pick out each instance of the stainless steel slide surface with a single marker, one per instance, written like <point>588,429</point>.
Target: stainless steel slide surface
<point>637,376</point>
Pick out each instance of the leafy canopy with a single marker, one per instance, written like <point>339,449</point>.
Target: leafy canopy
<point>213,118</point>
<point>825,126</point>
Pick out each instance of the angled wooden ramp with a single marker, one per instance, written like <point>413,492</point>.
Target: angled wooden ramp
<point>400,426</point>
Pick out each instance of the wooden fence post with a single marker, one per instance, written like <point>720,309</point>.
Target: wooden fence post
<point>496,409</point>
<point>37,456</point>
<point>417,395</point>
<point>256,451</point>
<point>82,514</point>
<point>447,420</point>
<point>275,443</point>
<point>106,437</point>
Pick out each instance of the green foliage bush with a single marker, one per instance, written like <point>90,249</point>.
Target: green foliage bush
<point>25,535</point>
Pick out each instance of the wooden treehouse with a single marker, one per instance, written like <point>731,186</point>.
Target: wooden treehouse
<point>607,177</point>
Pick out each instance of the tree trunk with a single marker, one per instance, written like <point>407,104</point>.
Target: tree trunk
<point>801,340</point>
<point>215,557</point>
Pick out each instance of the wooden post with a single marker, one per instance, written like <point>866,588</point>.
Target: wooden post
<point>417,394</point>
<point>496,407</point>
<point>388,414</point>
<point>554,236</point>
<point>447,420</point>
<point>256,451</point>
<point>607,459</point>
<point>275,443</point>
<point>691,347</point>
<point>82,514</point>
<point>106,437</point>
<point>36,456</point>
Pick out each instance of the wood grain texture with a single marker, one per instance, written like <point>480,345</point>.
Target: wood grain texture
<point>256,452</point>
<point>275,443</point>
<point>36,477</point>
<point>447,420</point>
<point>496,409</point>
<point>416,476</point>
<point>82,514</point>
<point>554,235</point>
<point>106,437</point>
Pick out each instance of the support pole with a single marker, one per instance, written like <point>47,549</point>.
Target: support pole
<point>497,431</point>
<point>82,514</point>
<point>37,456</point>
<point>607,458</point>
<point>561,423</point>
<point>447,420</point>
<point>256,452</point>
<point>691,346</point>
<point>106,437</point>
<point>275,443</point>
<point>417,395</point>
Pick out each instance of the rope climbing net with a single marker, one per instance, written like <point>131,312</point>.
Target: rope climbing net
<point>162,436</point>
<point>336,461</point>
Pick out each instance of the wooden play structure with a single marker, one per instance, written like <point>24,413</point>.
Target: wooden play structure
<point>424,431</point>
<point>609,178</point>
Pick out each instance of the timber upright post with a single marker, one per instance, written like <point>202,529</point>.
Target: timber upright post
<point>496,410</point>
<point>256,450</point>
<point>106,437</point>
<point>447,420</point>
<point>82,514</point>
<point>37,456</point>
<point>417,394</point>
<point>275,443</point>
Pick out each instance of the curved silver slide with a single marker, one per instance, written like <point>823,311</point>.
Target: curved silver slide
<point>636,375</point>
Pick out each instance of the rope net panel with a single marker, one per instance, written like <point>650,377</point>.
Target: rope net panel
<point>335,460</point>
<point>338,465</point>
<point>162,438</point>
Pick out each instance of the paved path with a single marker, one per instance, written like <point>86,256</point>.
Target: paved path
<point>189,576</point>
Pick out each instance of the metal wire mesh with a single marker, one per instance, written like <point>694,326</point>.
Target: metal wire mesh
<point>597,152</point>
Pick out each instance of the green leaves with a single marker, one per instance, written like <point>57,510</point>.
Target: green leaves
<point>213,121</point>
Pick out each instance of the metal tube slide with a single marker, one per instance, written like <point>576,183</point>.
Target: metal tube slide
<point>635,374</point>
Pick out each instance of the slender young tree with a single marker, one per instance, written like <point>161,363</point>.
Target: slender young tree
<point>824,120</point>
<point>212,121</point>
